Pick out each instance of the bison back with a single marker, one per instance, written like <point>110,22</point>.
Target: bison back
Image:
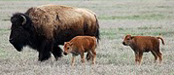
<point>62,23</point>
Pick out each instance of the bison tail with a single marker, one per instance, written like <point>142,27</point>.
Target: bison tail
<point>97,35</point>
<point>161,40</point>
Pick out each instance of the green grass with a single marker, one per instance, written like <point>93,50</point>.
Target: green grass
<point>4,30</point>
<point>155,31</point>
<point>3,54</point>
<point>135,17</point>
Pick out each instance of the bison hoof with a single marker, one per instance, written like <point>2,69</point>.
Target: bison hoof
<point>43,58</point>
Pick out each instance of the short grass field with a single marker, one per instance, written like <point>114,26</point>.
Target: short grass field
<point>116,18</point>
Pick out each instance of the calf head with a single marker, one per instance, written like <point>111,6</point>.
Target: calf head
<point>67,48</point>
<point>128,40</point>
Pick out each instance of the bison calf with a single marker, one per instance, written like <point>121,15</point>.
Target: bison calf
<point>141,44</point>
<point>79,45</point>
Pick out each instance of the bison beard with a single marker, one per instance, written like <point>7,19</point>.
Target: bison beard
<point>44,27</point>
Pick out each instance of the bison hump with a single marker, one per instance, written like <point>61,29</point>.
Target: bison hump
<point>47,18</point>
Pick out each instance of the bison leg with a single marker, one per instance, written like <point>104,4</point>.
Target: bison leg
<point>155,55</point>
<point>57,52</point>
<point>44,51</point>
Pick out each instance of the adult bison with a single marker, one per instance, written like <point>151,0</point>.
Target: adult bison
<point>44,27</point>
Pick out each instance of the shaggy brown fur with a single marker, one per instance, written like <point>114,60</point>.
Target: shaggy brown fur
<point>79,45</point>
<point>142,44</point>
<point>64,17</point>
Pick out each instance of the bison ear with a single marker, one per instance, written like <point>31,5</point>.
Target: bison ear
<point>24,20</point>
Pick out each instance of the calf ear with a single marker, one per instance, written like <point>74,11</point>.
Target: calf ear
<point>70,43</point>
<point>132,37</point>
<point>65,42</point>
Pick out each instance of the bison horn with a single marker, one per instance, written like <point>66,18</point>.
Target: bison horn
<point>25,20</point>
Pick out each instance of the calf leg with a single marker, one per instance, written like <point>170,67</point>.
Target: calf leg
<point>88,56</point>
<point>82,58</point>
<point>93,56</point>
<point>73,60</point>
<point>136,58</point>
<point>140,57</point>
<point>159,55</point>
<point>155,55</point>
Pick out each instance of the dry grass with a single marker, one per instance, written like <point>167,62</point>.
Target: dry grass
<point>116,18</point>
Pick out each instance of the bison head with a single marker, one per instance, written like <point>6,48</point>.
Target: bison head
<point>67,48</point>
<point>20,30</point>
<point>127,40</point>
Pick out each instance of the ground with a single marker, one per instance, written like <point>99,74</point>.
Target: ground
<point>116,18</point>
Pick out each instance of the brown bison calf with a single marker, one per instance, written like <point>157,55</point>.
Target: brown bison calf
<point>79,45</point>
<point>141,44</point>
